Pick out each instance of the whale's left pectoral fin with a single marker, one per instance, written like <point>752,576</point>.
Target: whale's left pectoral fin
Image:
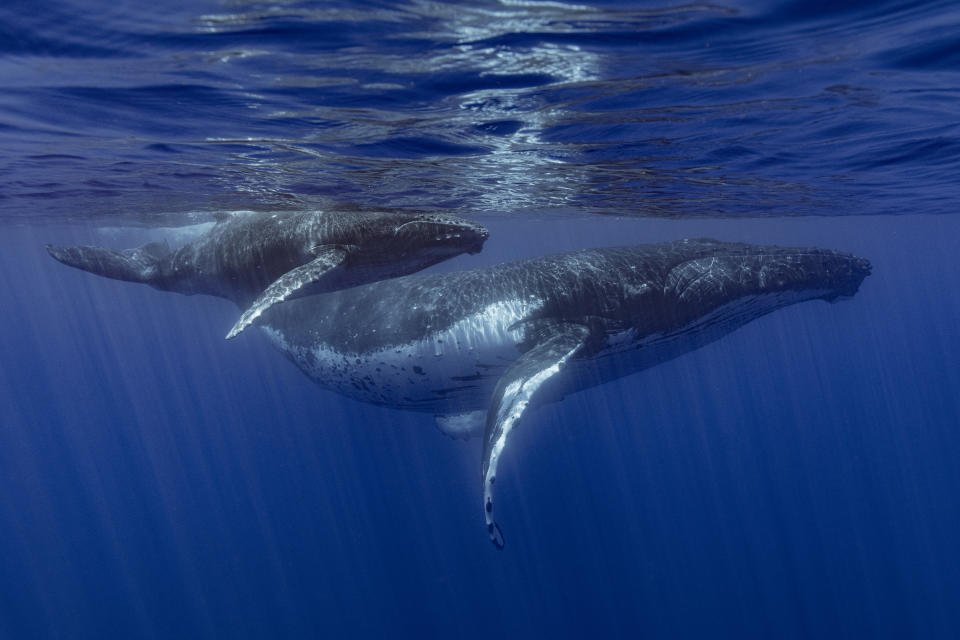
<point>521,384</point>
<point>328,259</point>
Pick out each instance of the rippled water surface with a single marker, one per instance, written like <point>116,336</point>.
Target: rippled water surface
<point>126,110</point>
<point>796,479</point>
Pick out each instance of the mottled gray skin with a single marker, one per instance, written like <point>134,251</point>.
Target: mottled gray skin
<point>496,340</point>
<point>241,256</point>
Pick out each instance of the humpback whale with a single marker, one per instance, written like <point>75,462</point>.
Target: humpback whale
<point>479,349</point>
<point>261,259</point>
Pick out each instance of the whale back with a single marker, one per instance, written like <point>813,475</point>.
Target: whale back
<point>647,288</point>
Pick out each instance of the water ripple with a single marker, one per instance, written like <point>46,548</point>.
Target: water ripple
<point>497,107</point>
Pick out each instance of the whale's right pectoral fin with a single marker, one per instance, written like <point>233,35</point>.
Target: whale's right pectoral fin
<point>328,259</point>
<point>521,384</point>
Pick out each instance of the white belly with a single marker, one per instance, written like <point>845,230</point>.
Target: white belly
<point>452,371</point>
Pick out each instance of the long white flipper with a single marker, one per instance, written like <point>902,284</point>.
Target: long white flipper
<point>513,394</point>
<point>287,284</point>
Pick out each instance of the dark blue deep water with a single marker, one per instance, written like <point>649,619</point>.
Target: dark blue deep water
<point>798,479</point>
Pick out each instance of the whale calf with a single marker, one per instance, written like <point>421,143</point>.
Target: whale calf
<point>261,259</point>
<point>479,348</point>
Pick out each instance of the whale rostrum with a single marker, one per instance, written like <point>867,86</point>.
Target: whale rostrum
<point>478,349</point>
<point>261,259</point>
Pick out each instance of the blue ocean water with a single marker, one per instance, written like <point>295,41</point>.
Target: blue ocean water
<point>797,479</point>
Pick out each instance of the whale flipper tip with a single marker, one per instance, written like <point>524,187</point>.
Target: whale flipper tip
<point>240,325</point>
<point>496,535</point>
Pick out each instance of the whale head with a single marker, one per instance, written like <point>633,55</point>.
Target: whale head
<point>441,235</point>
<point>396,244</point>
<point>737,282</point>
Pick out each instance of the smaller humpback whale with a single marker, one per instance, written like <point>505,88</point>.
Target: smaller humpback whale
<point>261,259</point>
<point>478,349</point>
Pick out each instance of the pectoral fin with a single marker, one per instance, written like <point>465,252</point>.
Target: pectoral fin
<point>517,387</point>
<point>328,259</point>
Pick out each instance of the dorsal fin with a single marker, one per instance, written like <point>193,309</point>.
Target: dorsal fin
<point>461,425</point>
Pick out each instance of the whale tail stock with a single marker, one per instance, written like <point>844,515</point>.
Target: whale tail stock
<point>132,265</point>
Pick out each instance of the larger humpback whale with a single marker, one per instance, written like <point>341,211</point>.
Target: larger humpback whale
<point>479,348</point>
<point>261,259</point>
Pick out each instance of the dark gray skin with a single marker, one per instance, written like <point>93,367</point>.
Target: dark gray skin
<point>241,258</point>
<point>477,348</point>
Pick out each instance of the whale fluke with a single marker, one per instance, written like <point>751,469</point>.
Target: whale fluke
<point>130,265</point>
<point>291,282</point>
